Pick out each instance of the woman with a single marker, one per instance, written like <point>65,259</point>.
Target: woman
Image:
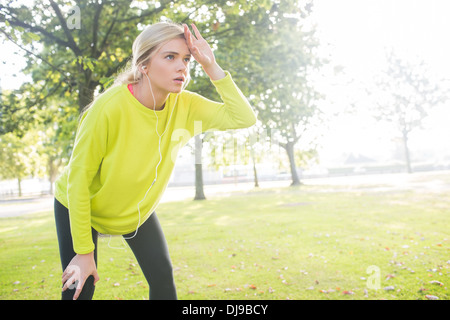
<point>125,151</point>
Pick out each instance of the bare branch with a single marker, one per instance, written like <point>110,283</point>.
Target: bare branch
<point>147,13</point>
<point>72,45</point>
<point>111,27</point>
<point>95,28</point>
<point>36,29</point>
<point>68,80</point>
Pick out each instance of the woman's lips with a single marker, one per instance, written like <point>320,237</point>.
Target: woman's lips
<point>179,80</point>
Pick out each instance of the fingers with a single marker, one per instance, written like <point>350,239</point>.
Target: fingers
<point>192,48</point>
<point>188,36</point>
<point>66,275</point>
<point>198,55</point>
<point>77,294</point>
<point>188,33</point>
<point>72,279</point>
<point>69,277</point>
<point>78,289</point>
<point>74,283</point>
<point>70,282</point>
<point>197,33</point>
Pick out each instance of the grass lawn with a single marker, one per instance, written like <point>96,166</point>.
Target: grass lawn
<point>307,242</point>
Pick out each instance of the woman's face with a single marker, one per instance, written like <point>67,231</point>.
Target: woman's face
<point>169,67</point>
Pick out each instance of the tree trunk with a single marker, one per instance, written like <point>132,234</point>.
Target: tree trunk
<point>51,173</point>
<point>86,88</point>
<point>19,184</point>
<point>290,152</point>
<point>199,194</point>
<point>406,150</point>
<point>255,174</point>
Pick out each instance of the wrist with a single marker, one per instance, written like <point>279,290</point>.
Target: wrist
<point>215,72</point>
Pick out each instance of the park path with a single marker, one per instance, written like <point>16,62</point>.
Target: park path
<point>18,207</point>
<point>435,181</point>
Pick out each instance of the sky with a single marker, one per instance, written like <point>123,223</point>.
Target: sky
<point>355,35</point>
<point>11,63</point>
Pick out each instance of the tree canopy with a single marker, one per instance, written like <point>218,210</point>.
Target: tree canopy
<point>75,48</point>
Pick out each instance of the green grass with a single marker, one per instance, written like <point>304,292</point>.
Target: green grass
<point>307,242</point>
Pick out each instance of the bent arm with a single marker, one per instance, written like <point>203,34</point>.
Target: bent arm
<point>88,152</point>
<point>234,112</point>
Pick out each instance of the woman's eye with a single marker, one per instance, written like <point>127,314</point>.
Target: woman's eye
<point>172,57</point>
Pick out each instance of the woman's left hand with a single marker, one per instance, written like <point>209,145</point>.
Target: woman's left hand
<point>202,53</point>
<point>199,48</point>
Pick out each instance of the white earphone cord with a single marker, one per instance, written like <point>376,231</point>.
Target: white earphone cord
<point>160,158</point>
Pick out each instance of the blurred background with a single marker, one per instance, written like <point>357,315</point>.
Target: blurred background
<point>341,88</point>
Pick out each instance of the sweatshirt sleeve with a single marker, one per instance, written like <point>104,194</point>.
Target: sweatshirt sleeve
<point>89,149</point>
<point>234,112</point>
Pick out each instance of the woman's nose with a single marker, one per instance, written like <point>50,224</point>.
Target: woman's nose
<point>182,66</point>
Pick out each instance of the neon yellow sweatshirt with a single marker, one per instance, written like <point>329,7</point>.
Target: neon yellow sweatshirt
<point>116,152</point>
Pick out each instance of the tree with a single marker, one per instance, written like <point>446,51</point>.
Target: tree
<point>405,96</point>
<point>18,157</point>
<point>56,139</point>
<point>92,40</point>
<point>75,48</point>
<point>240,32</point>
<point>287,105</point>
<point>199,193</point>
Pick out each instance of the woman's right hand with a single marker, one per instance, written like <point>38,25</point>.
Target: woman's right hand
<point>78,270</point>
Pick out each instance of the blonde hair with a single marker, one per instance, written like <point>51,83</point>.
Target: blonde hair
<point>148,42</point>
<point>145,45</point>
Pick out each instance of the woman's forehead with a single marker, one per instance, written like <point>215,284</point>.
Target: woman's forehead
<point>176,46</point>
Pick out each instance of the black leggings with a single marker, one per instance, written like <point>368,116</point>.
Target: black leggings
<point>149,247</point>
